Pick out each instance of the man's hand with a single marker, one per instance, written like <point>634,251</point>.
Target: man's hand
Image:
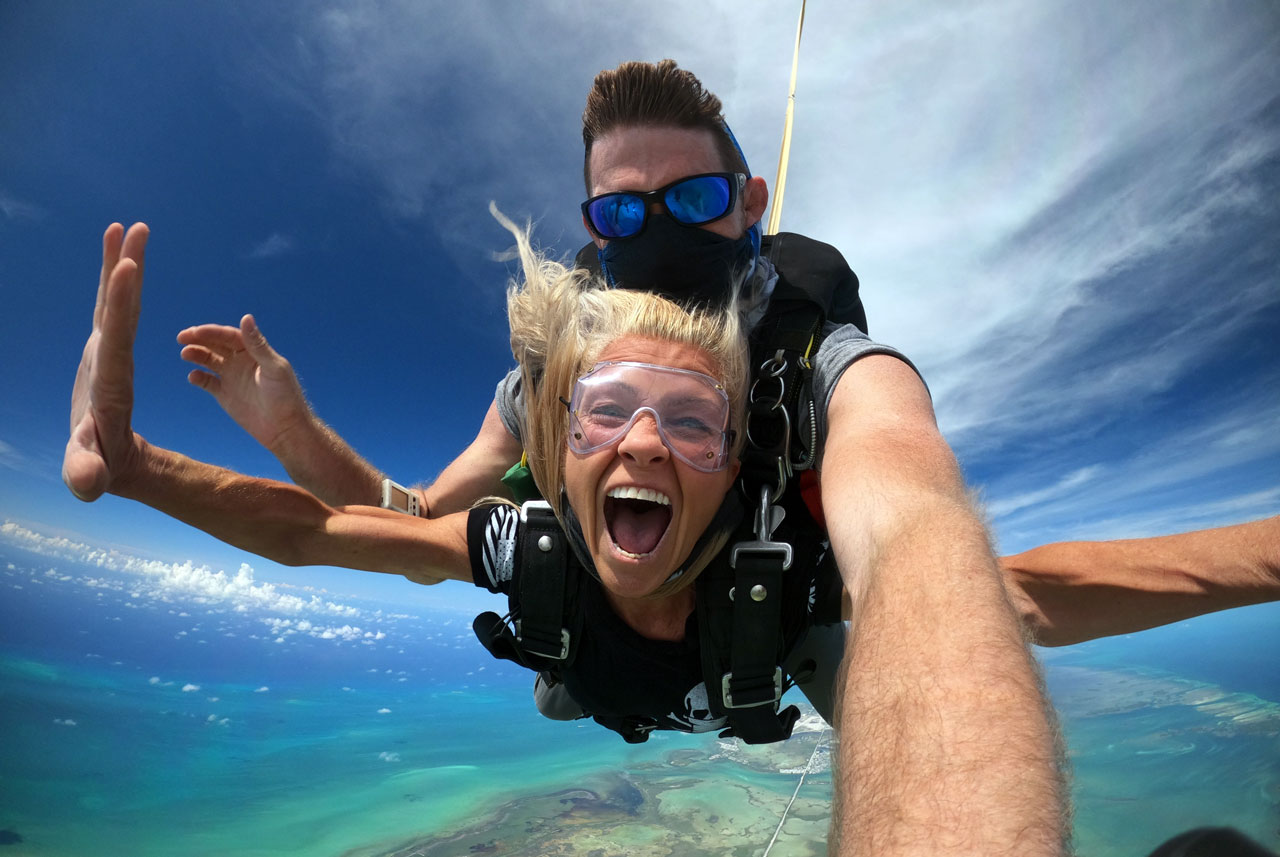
<point>103,448</point>
<point>259,389</point>
<point>251,381</point>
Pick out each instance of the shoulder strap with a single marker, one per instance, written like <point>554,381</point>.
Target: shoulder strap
<point>543,597</point>
<point>819,272</point>
<point>542,578</point>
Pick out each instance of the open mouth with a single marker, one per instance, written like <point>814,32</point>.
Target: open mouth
<point>637,519</point>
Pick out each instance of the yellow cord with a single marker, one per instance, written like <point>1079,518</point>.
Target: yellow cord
<point>808,349</point>
<point>780,185</point>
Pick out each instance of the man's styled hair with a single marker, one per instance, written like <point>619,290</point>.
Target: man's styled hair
<point>563,318</point>
<point>654,95</point>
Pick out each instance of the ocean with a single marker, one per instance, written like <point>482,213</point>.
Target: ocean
<point>146,717</point>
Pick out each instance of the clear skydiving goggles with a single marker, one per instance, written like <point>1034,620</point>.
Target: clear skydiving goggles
<point>691,411</point>
<point>692,200</point>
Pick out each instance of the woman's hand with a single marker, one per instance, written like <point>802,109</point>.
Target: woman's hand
<point>103,448</point>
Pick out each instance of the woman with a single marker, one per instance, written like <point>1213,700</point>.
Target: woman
<point>634,414</point>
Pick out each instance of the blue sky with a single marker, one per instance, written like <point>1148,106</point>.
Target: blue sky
<point>1064,212</point>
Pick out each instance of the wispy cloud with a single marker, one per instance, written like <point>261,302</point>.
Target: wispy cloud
<point>12,459</point>
<point>1069,485</point>
<point>16,209</point>
<point>276,244</point>
<point>1214,467</point>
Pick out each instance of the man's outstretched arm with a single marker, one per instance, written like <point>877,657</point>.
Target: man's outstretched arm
<point>258,388</point>
<point>1069,592</point>
<point>947,744</point>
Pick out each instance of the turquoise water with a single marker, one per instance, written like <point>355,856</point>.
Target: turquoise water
<point>144,719</point>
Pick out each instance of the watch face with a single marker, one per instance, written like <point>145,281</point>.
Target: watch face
<point>399,498</point>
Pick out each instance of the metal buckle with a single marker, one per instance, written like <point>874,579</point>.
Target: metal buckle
<point>727,695</point>
<point>767,518</point>
<point>564,643</point>
<point>540,506</point>
<point>761,547</point>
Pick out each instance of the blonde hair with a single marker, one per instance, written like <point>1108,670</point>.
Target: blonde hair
<point>563,318</point>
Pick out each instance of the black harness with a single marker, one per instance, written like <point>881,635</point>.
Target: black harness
<point>750,612</point>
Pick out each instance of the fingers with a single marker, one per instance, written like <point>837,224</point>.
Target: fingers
<point>256,344</point>
<point>116,244</point>
<point>205,381</point>
<point>215,337</point>
<point>212,360</point>
<point>210,345</point>
<point>113,387</point>
<point>112,239</point>
<point>135,244</point>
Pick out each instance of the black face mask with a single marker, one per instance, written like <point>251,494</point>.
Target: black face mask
<point>684,263</point>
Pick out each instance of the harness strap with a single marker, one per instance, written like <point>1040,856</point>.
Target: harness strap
<point>750,691</point>
<point>740,625</point>
<point>543,584</point>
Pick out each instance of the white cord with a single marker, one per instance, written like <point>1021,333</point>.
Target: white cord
<point>807,768</point>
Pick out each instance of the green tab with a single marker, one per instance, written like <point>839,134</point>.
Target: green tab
<point>520,480</point>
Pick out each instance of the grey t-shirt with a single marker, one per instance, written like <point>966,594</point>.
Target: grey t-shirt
<point>844,344</point>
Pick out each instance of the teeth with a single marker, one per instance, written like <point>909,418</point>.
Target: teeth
<point>626,552</point>
<point>632,493</point>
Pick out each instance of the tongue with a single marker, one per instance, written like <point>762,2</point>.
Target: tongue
<point>637,526</point>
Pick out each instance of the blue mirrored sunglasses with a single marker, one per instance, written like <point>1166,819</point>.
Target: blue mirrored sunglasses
<point>692,200</point>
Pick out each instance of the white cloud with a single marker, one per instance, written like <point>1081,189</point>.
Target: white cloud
<point>285,627</point>
<point>186,581</point>
<point>190,688</point>
<point>384,710</point>
<point>276,244</point>
<point>389,757</point>
<point>262,689</point>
